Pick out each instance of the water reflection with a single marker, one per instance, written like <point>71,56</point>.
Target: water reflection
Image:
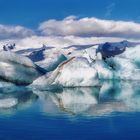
<point>77,100</point>
<point>110,97</point>
<point>14,98</point>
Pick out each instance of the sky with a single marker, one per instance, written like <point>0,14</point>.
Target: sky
<point>30,13</point>
<point>68,22</point>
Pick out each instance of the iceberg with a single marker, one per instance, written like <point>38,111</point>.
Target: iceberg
<point>133,54</point>
<point>47,68</point>
<point>75,72</point>
<point>111,49</point>
<point>47,59</point>
<point>17,69</point>
<point>117,68</point>
<point>87,68</point>
<point>125,69</point>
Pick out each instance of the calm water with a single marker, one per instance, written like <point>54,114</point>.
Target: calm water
<point>111,111</point>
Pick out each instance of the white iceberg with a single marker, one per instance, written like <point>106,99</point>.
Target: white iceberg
<point>47,59</point>
<point>84,67</point>
<point>125,69</point>
<point>72,73</point>
<point>17,69</point>
<point>77,72</point>
<point>88,68</point>
<point>132,53</point>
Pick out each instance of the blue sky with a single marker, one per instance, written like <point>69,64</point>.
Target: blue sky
<point>71,19</point>
<point>30,13</point>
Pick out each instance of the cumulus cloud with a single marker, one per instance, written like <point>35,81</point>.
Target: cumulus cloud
<point>70,31</point>
<point>90,27</point>
<point>14,32</point>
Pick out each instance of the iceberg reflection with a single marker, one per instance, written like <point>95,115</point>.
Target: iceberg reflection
<point>14,98</point>
<point>111,97</point>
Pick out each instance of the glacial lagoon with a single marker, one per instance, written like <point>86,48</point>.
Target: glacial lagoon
<point>109,111</point>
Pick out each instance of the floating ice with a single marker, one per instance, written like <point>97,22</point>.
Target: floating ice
<point>48,59</point>
<point>72,73</point>
<point>17,69</point>
<point>77,72</point>
<point>72,66</point>
<point>133,54</point>
<point>111,49</point>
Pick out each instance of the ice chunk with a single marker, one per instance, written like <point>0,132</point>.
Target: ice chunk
<point>111,49</point>
<point>17,69</point>
<point>72,73</point>
<point>104,71</point>
<point>48,59</point>
<point>37,55</point>
<point>117,68</point>
<point>90,53</point>
<point>10,57</point>
<point>4,84</point>
<point>125,69</point>
<point>46,82</point>
<point>77,72</point>
<point>132,53</point>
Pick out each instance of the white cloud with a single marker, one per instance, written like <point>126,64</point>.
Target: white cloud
<point>70,31</point>
<point>14,32</point>
<point>90,27</point>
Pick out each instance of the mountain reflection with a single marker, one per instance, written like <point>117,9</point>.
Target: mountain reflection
<point>110,97</point>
